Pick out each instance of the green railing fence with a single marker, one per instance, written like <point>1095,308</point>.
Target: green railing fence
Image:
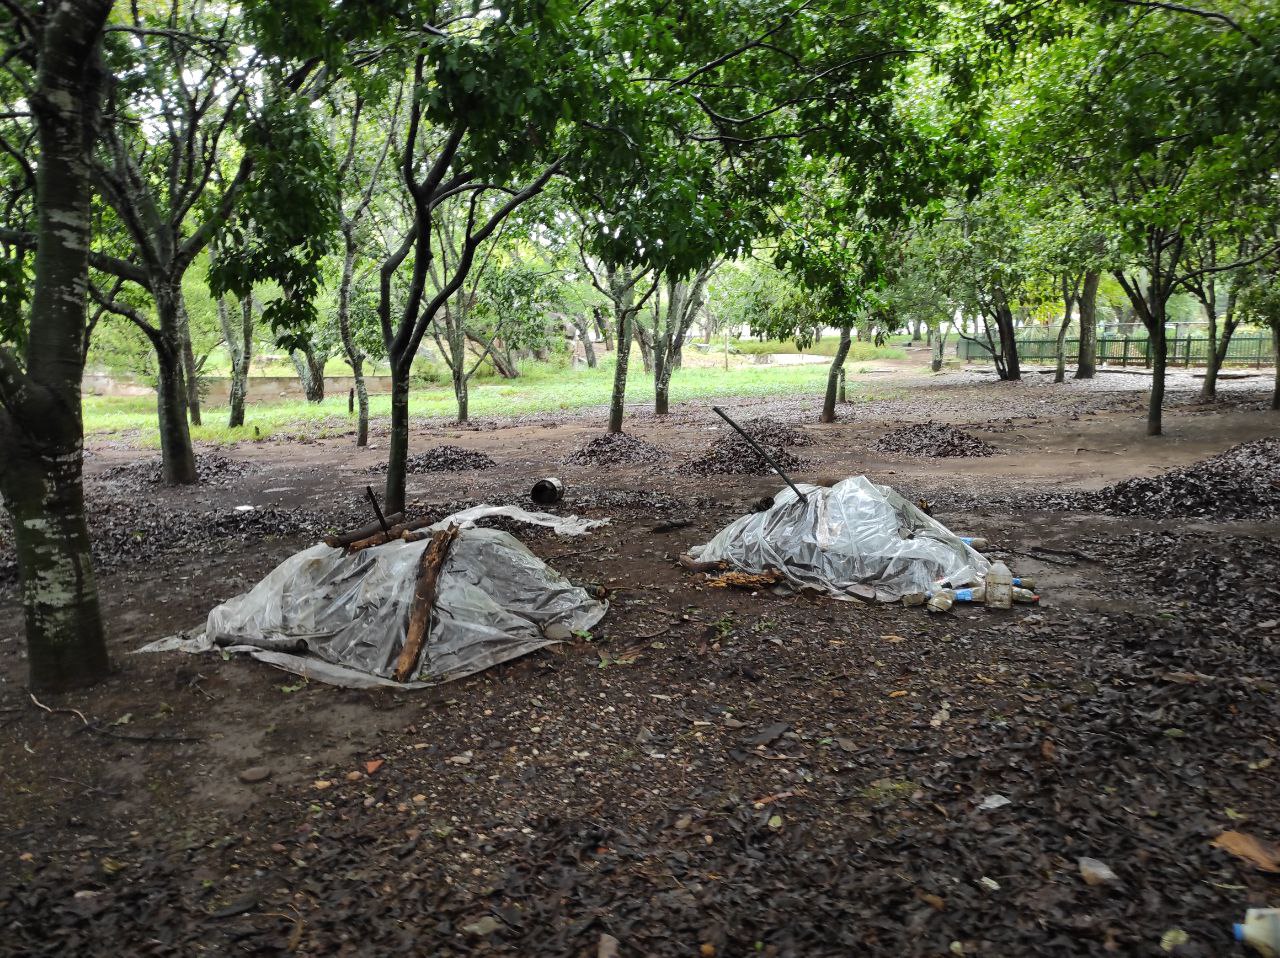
<point>1247,350</point>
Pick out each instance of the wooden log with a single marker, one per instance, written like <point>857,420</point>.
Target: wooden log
<point>424,597</point>
<point>345,539</point>
<point>693,565</point>
<point>381,538</point>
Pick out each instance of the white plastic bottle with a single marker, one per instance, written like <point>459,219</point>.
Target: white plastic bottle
<point>999,585</point>
<point>1261,931</point>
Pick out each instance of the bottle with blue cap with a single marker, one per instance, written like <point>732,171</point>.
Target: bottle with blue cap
<point>1260,930</point>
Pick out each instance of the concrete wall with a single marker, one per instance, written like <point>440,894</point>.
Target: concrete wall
<point>217,389</point>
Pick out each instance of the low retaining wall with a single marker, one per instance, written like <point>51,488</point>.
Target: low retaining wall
<point>216,390</point>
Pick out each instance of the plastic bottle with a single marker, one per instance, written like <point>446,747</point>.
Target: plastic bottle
<point>974,542</point>
<point>975,594</point>
<point>999,586</point>
<point>1025,583</point>
<point>1024,595</point>
<point>1261,931</point>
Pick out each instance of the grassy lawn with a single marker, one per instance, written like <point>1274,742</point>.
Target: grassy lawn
<point>540,389</point>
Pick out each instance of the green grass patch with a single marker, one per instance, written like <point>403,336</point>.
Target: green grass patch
<point>858,351</point>
<point>542,388</point>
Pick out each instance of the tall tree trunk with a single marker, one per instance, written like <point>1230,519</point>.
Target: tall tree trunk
<point>398,450</point>
<point>618,398</point>
<point>41,431</point>
<point>1008,340</point>
<point>833,376</point>
<point>1218,347</point>
<point>1060,352</point>
<point>643,341</point>
<point>661,374</point>
<point>240,348</point>
<point>354,354</point>
<point>176,453</point>
<point>1275,358</point>
<point>915,331</point>
<point>1087,363</point>
<point>1159,359</point>
<point>191,374</point>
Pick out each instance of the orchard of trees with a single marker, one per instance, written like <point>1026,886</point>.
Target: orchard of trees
<point>363,180</point>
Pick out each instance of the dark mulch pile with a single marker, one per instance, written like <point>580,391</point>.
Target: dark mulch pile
<point>730,455</point>
<point>213,469</point>
<point>1241,483</point>
<point>933,440</point>
<point>774,432</point>
<point>125,533</point>
<point>444,459</point>
<point>615,449</point>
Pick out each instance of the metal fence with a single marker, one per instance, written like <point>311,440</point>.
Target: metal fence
<point>1249,350</point>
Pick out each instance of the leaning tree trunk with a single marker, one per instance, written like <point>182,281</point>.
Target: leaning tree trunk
<point>398,448</point>
<point>834,376</point>
<point>355,355</point>
<point>190,372</point>
<point>1060,351</point>
<point>1087,363</point>
<point>1008,343</point>
<point>646,347</point>
<point>41,430</point>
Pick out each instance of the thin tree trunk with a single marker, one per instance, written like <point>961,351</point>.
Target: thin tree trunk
<point>1060,370</point>
<point>398,450</point>
<point>618,399</point>
<point>642,340</point>
<point>190,373</point>
<point>1218,347</point>
<point>1159,359</point>
<point>41,431</point>
<point>1275,358</point>
<point>833,376</point>
<point>1087,363</point>
<point>1008,341</point>
<point>355,355</point>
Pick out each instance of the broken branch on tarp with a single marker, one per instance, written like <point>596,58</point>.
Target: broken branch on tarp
<point>424,598</point>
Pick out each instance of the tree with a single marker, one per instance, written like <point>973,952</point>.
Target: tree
<point>57,75</point>
<point>678,309</point>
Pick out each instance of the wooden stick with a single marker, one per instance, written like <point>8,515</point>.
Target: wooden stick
<point>346,538</point>
<point>381,538</point>
<point>424,597</point>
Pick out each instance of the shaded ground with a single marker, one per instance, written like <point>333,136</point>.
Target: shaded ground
<point>716,772</point>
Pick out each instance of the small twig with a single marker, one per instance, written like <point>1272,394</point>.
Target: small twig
<point>76,713</point>
<point>577,552</point>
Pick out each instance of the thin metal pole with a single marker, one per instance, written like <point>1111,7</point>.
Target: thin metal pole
<point>373,501</point>
<point>763,455</point>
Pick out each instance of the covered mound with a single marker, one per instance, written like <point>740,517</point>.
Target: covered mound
<point>933,440</point>
<point>342,617</point>
<point>615,449</point>
<point>730,455</point>
<point>854,538</point>
<point>445,459</point>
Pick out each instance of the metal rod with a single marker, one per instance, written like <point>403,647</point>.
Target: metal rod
<point>763,455</point>
<point>373,501</point>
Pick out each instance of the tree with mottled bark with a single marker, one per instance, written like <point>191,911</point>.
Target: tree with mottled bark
<point>680,302</point>
<point>56,61</point>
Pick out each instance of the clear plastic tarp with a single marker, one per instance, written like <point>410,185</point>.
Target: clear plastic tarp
<point>855,538</point>
<point>341,618</point>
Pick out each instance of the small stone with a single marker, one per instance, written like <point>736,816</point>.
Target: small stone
<point>558,632</point>
<point>463,759</point>
<point>608,947</point>
<point>1095,872</point>
<point>255,774</point>
<point>354,776</point>
<point>481,927</point>
<point>990,884</point>
<point>734,723</point>
<point>684,821</point>
<point>321,784</point>
<point>278,848</point>
<point>847,744</point>
<point>707,950</point>
<point>992,802</point>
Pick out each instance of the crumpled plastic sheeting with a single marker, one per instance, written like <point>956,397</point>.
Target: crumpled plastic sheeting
<point>853,534</point>
<point>341,618</point>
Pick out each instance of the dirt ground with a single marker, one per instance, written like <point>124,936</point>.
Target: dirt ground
<point>715,772</point>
